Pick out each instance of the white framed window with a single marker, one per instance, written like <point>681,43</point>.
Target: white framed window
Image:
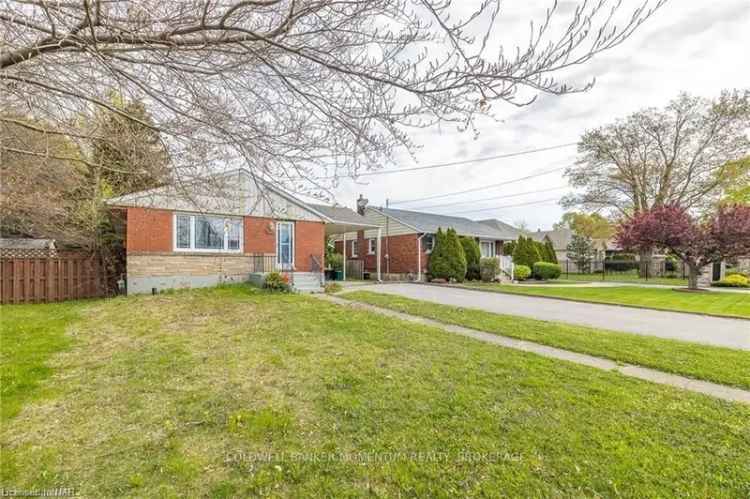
<point>371,245</point>
<point>354,247</point>
<point>428,243</point>
<point>205,233</point>
<point>487,248</point>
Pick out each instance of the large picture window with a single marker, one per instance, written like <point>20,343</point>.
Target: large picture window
<point>207,233</point>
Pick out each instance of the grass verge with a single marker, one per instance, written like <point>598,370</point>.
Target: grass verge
<point>235,393</point>
<point>720,365</point>
<point>29,339</point>
<point>714,303</point>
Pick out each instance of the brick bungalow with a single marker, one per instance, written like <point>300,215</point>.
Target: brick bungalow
<point>224,228</point>
<point>409,236</point>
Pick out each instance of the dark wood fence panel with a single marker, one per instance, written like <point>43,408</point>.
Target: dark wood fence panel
<point>43,280</point>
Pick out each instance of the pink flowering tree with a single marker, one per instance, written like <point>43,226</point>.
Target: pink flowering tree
<point>726,234</point>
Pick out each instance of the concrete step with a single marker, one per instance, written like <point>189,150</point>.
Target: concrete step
<point>307,282</point>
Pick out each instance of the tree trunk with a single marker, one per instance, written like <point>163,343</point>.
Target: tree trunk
<point>693,273</point>
<point>644,267</point>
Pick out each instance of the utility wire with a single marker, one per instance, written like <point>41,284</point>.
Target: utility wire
<point>452,163</point>
<point>493,198</point>
<point>542,201</point>
<point>476,189</point>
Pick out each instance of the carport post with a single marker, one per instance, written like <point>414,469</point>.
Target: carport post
<point>378,253</point>
<point>344,267</point>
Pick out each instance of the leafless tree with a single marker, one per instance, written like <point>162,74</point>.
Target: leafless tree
<point>295,90</point>
<point>657,157</point>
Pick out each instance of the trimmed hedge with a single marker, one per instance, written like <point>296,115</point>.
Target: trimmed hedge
<point>489,268</point>
<point>526,252</point>
<point>473,257</point>
<point>521,272</point>
<point>549,251</point>
<point>447,260</point>
<point>547,270</point>
<point>733,281</point>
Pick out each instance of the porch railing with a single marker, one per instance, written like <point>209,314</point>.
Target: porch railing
<point>316,267</point>
<point>263,262</point>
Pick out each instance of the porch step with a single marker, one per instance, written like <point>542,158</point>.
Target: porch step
<point>307,282</point>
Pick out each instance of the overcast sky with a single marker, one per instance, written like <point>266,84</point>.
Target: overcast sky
<point>689,45</point>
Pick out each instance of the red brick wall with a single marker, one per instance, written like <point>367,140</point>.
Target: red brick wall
<point>309,240</point>
<point>403,255</point>
<point>260,235</point>
<point>361,249</point>
<point>402,250</point>
<point>148,230</point>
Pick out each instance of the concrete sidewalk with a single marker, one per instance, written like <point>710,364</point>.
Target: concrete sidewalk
<point>724,332</point>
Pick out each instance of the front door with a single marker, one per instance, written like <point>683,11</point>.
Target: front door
<point>285,245</point>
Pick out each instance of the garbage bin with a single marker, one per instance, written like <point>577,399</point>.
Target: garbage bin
<point>339,275</point>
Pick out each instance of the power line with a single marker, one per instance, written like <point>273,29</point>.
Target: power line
<point>493,198</point>
<point>542,201</point>
<point>452,163</point>
<point>485,187</point>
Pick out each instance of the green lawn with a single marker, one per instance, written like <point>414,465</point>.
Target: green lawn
<point>729,304</point>
<point>233,392</point>
<point>29,339</point>
<point>721,365</point>
<point>630,277</point>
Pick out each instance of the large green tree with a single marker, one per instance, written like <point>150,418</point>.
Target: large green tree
<point>654,157</point>
<point>127,156</point>
<point>581,251</point>
<point>593,225</point>
<point>736,182</point>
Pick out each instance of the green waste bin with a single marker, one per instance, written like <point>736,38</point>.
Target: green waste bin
<point>339,275</point>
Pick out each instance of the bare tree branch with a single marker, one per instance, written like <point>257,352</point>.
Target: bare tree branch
<point>289,88</point>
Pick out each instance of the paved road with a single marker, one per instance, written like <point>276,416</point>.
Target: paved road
<point>733,333</point>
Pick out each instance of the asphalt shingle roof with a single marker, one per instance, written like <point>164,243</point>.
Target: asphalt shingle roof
<point>430,222</point>
<point>340,214</point>
<point>560,237</point>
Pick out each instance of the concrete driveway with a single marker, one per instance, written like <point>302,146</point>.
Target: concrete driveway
<point>732,333</point>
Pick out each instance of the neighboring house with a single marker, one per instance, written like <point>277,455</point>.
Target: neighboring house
<point>224,228</point>
<point>408,237</point>
<point>27,248</point>
<point>561,238</point>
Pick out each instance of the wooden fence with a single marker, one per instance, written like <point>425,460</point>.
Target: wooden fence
<point>40,280</point>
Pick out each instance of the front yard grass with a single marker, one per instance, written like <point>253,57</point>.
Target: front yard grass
<point>716,303</point>
<point>29,339</point>
<point>721,365</point>
<point>234,392</point>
